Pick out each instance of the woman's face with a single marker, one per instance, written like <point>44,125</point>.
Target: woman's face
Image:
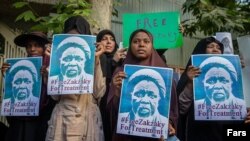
<point>213,48</point>
<point>109,43</point>
<point>34,49</point>
<point>141,45</point>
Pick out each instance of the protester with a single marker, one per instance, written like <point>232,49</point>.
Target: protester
<point>192,130</point>
<point>3,130</point>
<point>140,52</point>
<point>32,128</point>
<point>76,117</point>
<point>112,58</point>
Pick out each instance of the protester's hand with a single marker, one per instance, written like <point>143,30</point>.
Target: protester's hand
<point>48,50</point>
<point>193,72</point>
<point>44,73</point>
<point>100,49</point>
<point>43,70</point>
<point>120,54</point>
<point>4,68</point>
<point>171,130</point>
<point>247,120</point>
<point>161,139</point>
<point>242,62</point>
<point>117,79</point>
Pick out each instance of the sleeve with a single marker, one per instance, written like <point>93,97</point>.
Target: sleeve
<point>99,83</point>
<point>112,108</point>
<point>113,104</point>
<point>174,114</point>
<point>185,100</point>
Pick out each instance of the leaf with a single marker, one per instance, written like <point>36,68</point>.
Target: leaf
<point>205,2</point>
<point>54,21</point>
<point>115,12</point>
<point>39,27</point>
<point>26,16</point>
<point>20,4</point>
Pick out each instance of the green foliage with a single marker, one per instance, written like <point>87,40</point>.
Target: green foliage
<point>54,21</point>
<point>20,4</point>
<point>211,16</point>
<point>27,16</point>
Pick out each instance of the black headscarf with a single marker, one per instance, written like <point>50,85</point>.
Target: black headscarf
<point>101,34</point>
<point>78,23</point>
<point>153,60</point>
<point>107,58</point>
<point>200,48</point>
<point>108,66</point>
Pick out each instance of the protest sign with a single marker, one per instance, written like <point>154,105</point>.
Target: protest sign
<point>164,27</point>
<point>218,93</point>
<point>22,87</point>
<point>73,59</point>
<point>145,101</point>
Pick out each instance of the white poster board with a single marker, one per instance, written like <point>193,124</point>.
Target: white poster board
<point>226,39</point>
<point>244,47</point>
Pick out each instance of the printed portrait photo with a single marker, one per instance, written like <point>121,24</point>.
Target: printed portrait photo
<point>145,99</point>
<point>73,62</point>
<point>218,91</point>
<point>22,87</point>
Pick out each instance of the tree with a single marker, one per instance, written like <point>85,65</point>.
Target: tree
<point>211,16</point>
<point>102,12</point>
<point>90,9</point>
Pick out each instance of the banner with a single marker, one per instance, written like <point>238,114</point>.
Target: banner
<point>22,87</point>
<point>145,101</point>
<point>72,64</point>
<point>218,92</point>
<point>164,26</point>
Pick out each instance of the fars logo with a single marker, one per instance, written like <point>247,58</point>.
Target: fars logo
<point>230,132</point>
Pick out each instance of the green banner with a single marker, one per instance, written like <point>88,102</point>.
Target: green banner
<point>164,26</point>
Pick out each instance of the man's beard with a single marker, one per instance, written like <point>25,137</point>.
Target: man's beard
<point>72,71</point>
<point>144,111</point>
<point>22,94</point>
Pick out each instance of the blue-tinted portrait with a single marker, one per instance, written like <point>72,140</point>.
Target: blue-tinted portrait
<point>145,97</point>
<point>218,89</point>
<point>22,87</point>
<point>73,64</point>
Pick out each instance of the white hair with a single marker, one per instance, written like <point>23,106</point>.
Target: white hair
<point>77,40</point>
<point>27,64</point>
<point>220,60</point>
<point>151,73</point>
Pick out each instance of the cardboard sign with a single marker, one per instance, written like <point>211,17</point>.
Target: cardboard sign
<point>73,59</point>
<point>226,39</point>
<point>244,48</point>
<point>145,101</point>
<point>22,87</point>
<point>164,26</point>
<point>218,93</point>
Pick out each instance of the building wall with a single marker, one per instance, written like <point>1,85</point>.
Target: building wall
<point>10,51</point>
